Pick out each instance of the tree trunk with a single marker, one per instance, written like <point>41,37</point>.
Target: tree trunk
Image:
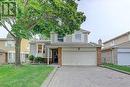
<point>17,51</point>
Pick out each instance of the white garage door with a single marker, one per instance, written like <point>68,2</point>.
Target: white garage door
<point>124,56</point>
<point>74,56</point>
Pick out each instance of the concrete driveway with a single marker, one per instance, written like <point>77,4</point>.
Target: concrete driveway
<point>89,77</point>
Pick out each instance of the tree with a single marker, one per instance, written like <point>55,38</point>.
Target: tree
<point>42,17</point>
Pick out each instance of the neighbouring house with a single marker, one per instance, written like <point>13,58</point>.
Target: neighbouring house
<point>7,46</point>
<point>69,50</point>
<point>3,59</point>
<point>117,50</point>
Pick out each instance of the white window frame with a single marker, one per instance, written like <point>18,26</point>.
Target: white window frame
<point>78,37</point>
<point>38,49</point>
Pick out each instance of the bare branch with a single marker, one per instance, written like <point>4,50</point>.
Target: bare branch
<point>14,21</point>
<point>4,25</point>
<point>9,21</point>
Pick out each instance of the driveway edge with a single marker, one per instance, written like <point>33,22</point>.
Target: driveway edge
<point>49,78</point>
<point>121,71</point>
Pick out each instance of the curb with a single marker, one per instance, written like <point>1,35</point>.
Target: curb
<point>121,71</point>
<point>49,79</point>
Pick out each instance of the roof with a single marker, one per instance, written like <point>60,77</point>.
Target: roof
<point>3,39</point>
<point>82,30</point>
<point>39,41</point>
<point>122,45</point>
<point>111,47</point>
<point>6,39</point>
<point>73,44</point>
<point>85,31</point>
<point>117,37</point>
<point>9,36</point>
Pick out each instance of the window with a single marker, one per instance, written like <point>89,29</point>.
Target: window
<point>60,38</point>
<point>39,48</point>
<point>78,37</point>
<point>44,49</point>
<point>10,44</point>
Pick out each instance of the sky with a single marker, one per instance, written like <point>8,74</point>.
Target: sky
<point>105,18</point>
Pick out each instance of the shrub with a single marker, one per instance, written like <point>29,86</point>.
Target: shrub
<point>41,59</point>
<point>31,57</point>
<point>36,59</point>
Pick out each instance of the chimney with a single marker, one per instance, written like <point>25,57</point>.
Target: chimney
<point>100,42</point>
<point>54,37</point>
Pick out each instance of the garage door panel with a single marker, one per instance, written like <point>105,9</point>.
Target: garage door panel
<point>79,58</point>
<point>124,58</point>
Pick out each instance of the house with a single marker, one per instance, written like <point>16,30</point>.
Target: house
<point>117,50</point>
<point>3,59</point>
<point>69,50</point>
<point>7,46</point>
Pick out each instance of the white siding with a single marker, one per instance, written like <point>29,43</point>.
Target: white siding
<point>71,38</point>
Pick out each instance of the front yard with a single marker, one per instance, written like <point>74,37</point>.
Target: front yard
<point>24,76</point>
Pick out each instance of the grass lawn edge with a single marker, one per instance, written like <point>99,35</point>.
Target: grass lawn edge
<point>49,78</point>
<point>115,69</point>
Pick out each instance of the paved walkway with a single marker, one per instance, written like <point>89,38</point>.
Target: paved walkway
<point>89,77</point>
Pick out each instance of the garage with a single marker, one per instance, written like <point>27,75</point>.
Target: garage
<point>123,56</point>
<point>79,56</point>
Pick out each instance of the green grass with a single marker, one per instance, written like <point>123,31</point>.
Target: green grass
<point>124,68</point>
<point>24,76</point>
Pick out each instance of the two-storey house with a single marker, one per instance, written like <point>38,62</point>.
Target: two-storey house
<point>7,47</point>
<point>117,50</point>
<point>68,50</point>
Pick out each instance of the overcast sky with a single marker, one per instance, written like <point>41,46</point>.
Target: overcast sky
<point>105,18</point>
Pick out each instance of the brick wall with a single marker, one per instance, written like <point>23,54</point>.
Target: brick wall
<point>60,56</point>
<point>99,56</point>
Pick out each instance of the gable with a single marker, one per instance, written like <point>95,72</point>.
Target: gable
<point>124,45</point>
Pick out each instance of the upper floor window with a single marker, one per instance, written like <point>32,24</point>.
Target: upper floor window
<point>60,38</point>
<point>10,44</point>
<point>78,37</point>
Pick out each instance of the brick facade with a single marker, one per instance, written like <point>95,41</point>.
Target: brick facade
<point>60,56</point>
<point>99,56</point>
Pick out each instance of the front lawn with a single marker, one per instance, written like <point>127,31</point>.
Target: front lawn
<point>24,76</point>
<point>123,68</point>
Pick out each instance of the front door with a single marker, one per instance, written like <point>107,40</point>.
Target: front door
<point>55,55</point>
